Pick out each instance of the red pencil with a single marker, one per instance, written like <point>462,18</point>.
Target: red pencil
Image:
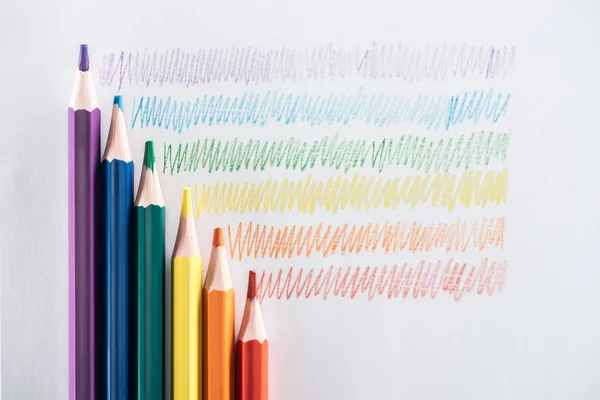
<point>252,350</point>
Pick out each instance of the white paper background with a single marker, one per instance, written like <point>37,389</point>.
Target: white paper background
<point>538,339</point>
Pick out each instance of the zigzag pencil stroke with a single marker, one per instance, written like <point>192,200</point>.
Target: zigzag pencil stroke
<point>418,152</point>
<point>423,280</point>
<point>379,110</point>
<point>361,193</point>
<point>251,65</point>
<point>262,241</point>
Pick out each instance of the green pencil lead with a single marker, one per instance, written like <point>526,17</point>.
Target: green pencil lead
<point>149,158</point>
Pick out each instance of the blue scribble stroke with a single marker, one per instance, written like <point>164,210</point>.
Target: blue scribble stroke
<point>378,110</point>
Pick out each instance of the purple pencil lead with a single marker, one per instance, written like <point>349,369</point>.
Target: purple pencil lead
<point>84,58</point>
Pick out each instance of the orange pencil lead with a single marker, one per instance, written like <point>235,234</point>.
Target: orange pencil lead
<point>218,238</point>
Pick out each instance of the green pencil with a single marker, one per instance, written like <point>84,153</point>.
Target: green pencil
<point>149,245</point>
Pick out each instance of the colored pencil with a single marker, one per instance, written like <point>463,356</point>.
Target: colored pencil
<point>84,158</point>
<point>115,333</point>
<point>187,298</point>
<point>149,216</point>
<point>252,350</point>
<point>218,325</point>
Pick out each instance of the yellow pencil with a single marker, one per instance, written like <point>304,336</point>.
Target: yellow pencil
<point>187,295</point>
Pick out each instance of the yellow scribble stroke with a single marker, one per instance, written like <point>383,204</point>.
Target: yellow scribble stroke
<point>362,193</point>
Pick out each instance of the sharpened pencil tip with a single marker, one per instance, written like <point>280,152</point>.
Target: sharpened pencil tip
<point>186,204</point>
<point>84,58</point>
<point>218,238</point>
<point>149,155</point>
<point>251,285</point>
<point>118,100</point>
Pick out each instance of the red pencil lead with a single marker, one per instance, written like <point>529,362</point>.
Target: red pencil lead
<point>251,285</point>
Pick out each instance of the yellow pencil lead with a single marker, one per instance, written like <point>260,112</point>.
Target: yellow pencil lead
<point>186,204</point>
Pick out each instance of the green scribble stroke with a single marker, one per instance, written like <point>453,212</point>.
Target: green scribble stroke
<point>420,153</point>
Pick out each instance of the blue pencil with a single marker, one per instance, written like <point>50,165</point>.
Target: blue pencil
<point>114,294</point>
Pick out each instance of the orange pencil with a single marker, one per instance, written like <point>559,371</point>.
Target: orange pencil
<point>218,325</point>
<point>252,350</point>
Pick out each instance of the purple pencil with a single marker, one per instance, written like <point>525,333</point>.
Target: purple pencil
<point>84,159</point>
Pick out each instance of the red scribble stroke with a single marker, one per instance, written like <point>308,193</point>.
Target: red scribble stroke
<point>262,241</point>
<point>426,279</point>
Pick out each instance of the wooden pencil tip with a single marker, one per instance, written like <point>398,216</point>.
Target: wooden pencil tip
<point>218,238</point>
<point>186,204</point>
<point>251,285</point>
<point>84,58</point>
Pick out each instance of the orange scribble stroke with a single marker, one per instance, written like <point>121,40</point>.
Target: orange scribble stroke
<point>262,241</point>
<point>426,279</point>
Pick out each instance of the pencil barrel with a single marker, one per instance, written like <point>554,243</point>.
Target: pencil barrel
<point>114,280</point>
<point>218,345</point>
<point>187,328</point>
<point>149,305</point>
<point>84,158</point>
<point>252,370</point>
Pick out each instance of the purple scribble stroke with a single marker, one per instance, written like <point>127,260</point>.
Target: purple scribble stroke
<point>251,65</point>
